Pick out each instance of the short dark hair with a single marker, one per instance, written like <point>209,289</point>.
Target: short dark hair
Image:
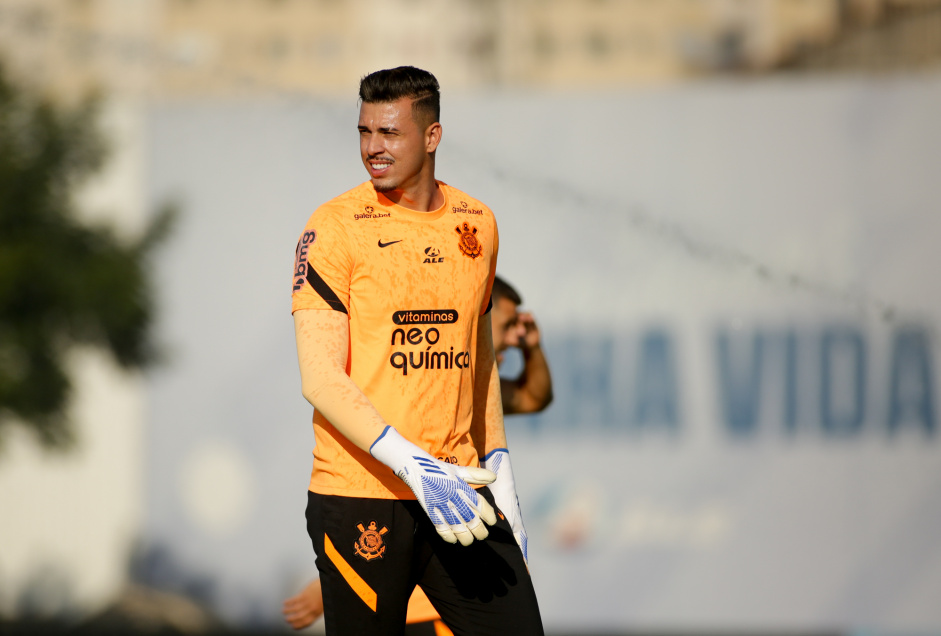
<point>502,289</point>
<point>393,84</point>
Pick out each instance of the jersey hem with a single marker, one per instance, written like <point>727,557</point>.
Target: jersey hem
<point>408,495</point>
<point>361,494</point>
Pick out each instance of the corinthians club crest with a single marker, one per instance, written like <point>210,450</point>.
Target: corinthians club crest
<point>370,544</point>
<point>469,244</point>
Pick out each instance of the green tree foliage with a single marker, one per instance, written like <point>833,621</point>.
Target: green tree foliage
<point>61,283</point>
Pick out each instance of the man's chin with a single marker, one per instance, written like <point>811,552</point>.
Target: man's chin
<point>382,186</point>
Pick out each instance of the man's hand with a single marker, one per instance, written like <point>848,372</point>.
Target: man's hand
<point>528,331</point>
<point>456,510</point>
<point>302,610</point>
<point>531,392</point>
<point>504,494</point>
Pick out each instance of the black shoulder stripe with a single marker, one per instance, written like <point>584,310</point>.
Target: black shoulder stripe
<point>489,305</point>
<point>321,287</point>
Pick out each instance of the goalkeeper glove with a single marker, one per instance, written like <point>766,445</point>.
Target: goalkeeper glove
<point>504,494</point>
<point>456,510</point>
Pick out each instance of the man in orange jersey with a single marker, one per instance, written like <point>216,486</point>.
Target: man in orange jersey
<point>391,303</point>
<point>530,392</point>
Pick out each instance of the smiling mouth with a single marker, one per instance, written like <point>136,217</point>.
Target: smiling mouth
<point>379,166</point>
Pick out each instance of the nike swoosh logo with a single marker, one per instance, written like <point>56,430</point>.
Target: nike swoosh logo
<point>381,244</point>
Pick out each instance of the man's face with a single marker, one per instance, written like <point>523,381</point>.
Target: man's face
<point>394,148</point>
<point>504,319</point>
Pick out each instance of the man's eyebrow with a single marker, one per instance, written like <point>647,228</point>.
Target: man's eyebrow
<point>382,129</point>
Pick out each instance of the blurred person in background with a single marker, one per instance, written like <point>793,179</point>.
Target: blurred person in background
<point>391,305</point>
<point>530,392</point>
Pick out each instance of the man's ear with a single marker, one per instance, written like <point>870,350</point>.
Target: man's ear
<point>432,137</point>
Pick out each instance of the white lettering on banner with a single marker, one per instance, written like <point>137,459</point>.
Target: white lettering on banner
<point>825,381</point>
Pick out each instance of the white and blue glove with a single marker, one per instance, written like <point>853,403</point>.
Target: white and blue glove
<point>456,510</point>
<point>504,494</point>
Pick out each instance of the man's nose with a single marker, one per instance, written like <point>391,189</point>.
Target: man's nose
<point>375,146</point>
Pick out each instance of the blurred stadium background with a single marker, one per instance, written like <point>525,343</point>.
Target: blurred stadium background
<point>724,214</point>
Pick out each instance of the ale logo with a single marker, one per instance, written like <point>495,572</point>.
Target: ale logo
<point>433,255</point>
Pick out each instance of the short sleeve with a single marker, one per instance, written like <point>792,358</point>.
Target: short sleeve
<point>322,264</point>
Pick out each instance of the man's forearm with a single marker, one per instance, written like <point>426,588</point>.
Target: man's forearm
<point>531,392</point>
<point>322,339</point>
<point>488,405</point>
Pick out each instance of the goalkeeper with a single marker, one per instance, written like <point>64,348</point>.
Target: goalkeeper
<point>411,482</point>
<point>529,392</point>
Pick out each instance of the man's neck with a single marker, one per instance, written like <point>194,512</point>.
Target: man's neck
<point>424,196</point>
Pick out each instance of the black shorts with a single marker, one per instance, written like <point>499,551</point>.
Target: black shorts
<point>371,553</point>
<point>427,628</point>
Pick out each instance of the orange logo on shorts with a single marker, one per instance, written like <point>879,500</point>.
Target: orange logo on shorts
<point>469,244</point>
<point>370,545</point>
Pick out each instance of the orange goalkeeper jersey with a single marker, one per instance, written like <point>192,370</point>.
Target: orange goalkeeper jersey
<point>414,285</point>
